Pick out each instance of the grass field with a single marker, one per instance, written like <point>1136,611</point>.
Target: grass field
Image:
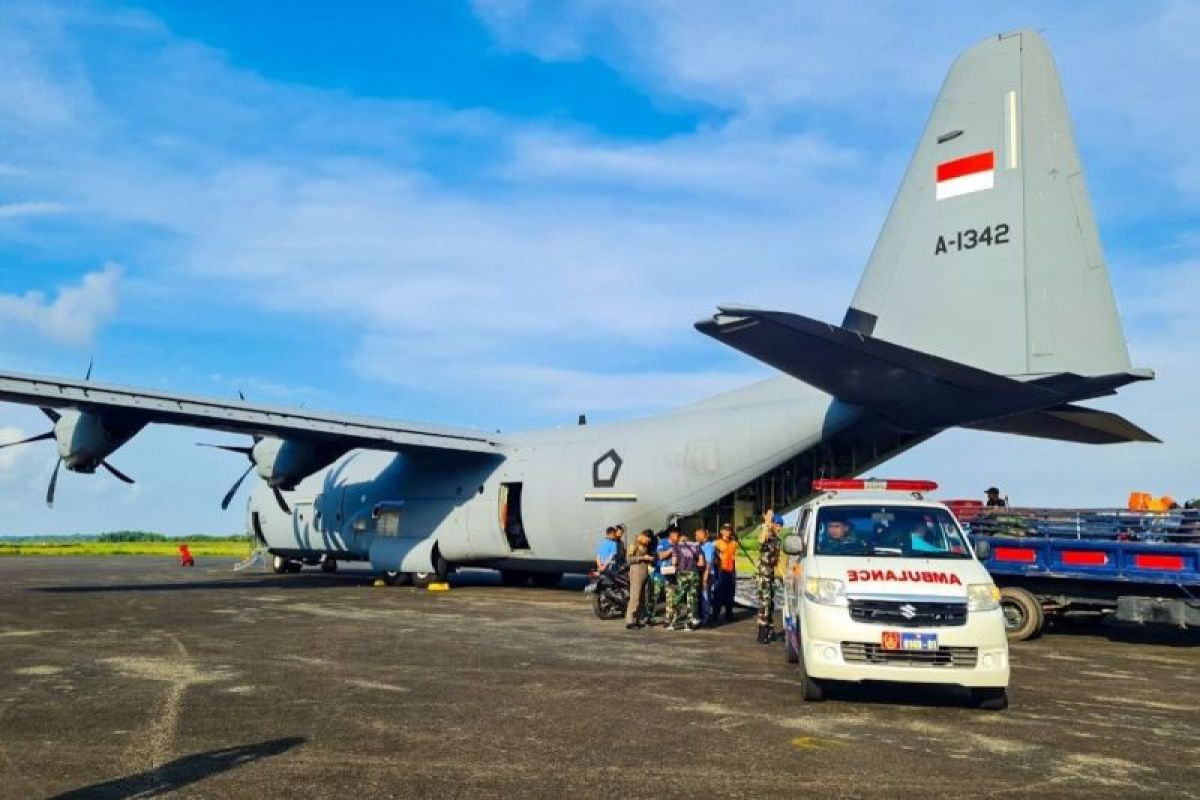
<point>239,548</point>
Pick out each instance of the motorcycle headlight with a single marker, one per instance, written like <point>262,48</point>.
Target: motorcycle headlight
<point>826,591</point>
<point>982,597</point>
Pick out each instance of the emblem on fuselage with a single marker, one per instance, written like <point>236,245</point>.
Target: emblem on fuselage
<point>605,470</point>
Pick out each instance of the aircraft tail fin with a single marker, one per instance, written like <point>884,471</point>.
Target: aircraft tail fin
<point>990,255</point>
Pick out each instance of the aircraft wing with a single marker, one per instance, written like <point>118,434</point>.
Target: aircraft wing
<point>916,391</point>
<point>148,405</point>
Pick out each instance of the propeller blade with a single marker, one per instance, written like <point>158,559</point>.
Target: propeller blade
<point>38,438</point>
<point>116,473</point>
<point>279,499</point>
<point>51,413</point>
<point>53,483</point>
<point>233,448</point>
<point>91,363</point>
<point>228,498</point>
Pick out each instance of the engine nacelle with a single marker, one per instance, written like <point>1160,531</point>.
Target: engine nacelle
<point>85,438</point>
<point>282,463</point>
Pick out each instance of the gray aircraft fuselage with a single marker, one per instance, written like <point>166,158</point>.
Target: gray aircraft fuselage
<point>392,509</point>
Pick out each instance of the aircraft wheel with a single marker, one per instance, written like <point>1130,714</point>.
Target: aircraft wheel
<point>279,565</point>
<point>421,580</point>
<point>328,565</point>
<point>546,580</point>
<point>511,577</point>
<point>397,578</point>
<point>294,566</point>
<point>1023,615</point>
<point>441,567</point>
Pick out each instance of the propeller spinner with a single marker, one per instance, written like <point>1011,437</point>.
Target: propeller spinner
<point>79,457</point>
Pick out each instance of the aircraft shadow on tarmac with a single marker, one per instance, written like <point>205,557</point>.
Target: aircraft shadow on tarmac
<point>281,582</point>
<point>181,772</point>
<point>303,581</point>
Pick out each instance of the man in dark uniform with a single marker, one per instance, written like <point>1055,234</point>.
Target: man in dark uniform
<point>994,500</point>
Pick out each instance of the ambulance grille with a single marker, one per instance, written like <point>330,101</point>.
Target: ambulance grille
<point>872,653</point>
<point>906,614</point>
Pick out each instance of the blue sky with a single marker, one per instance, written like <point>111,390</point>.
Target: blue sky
<point>502,213</point>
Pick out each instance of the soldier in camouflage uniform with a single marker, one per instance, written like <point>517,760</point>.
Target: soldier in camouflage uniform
<point>662,585</point>
<point>689,562</point>
<point>764,576</point>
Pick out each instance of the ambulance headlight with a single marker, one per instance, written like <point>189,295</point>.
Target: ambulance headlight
<point>982,597</point>
<point>826,591</point>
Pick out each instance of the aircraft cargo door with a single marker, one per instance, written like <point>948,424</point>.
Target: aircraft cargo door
<point>509,517</point>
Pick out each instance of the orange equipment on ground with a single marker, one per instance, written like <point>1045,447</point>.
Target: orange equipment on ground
<point>185,557</point>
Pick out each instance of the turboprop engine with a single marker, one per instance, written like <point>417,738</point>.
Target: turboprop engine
<point>281,463</point>
<point>84,439</point>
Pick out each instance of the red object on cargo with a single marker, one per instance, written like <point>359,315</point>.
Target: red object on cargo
<point>964,510</point>
<point>1149,561</point>
<point>860,484</point>
<point>1024,555</point>
<point>1084,558</point>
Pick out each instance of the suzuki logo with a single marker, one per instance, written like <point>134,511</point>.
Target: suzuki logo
<point>908,611</point>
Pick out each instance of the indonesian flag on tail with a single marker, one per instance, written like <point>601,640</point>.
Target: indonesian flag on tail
<point>973,173</point>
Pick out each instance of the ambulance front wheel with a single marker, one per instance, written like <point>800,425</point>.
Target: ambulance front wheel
<point>790,654</point>
<point>811,689</point>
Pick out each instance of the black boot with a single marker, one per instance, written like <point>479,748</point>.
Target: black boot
<point>761,634</point>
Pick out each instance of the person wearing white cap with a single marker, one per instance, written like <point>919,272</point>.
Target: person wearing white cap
<point>764,576</point>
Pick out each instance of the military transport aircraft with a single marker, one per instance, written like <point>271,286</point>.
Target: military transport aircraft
<point>985,304</point>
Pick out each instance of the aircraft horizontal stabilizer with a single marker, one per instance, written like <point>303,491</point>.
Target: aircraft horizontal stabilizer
<point>916,391</point>
<point>1070,423</point>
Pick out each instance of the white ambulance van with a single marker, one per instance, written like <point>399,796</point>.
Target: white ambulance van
<point>882,585</point>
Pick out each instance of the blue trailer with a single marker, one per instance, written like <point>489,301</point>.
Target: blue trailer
<point>1144,567</point>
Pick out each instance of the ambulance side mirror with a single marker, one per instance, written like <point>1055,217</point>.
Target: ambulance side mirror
<point>794,545</point>
<point>983,549</point>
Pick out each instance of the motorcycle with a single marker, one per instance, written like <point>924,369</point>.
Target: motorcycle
<point>610,592</point>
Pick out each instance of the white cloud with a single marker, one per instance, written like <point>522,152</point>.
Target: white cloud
<point>504,381</point>
<point>29,209</point>
<point>11,458</point>
<point>73,316</point>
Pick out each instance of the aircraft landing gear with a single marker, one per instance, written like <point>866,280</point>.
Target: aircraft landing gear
<point>328,564</point>
<point>546,580</point>
<point>442,569</point>
<point>280,565</point>
<point>513,578</point>
<point>394,578</point>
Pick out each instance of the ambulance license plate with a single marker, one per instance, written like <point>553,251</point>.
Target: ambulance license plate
<point>903,640</point>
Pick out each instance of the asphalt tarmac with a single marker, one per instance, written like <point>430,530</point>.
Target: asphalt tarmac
<point>133,677</point>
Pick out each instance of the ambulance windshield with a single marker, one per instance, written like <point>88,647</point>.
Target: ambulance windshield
<point>889,531</point>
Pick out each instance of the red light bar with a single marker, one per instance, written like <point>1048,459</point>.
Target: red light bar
<point>871,485</point>
<point>1146,561</point>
